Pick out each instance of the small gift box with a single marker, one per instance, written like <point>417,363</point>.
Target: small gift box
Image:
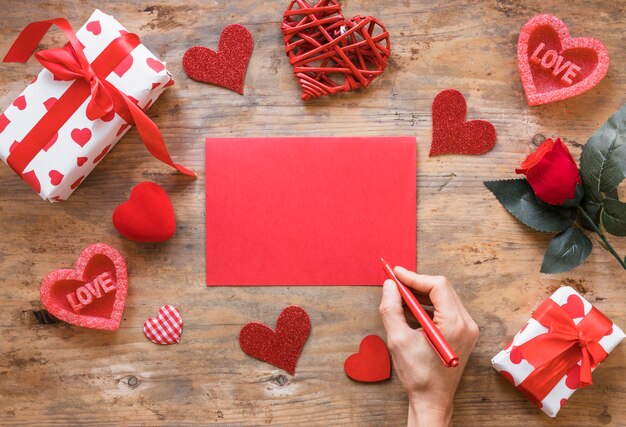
<point>83,101</point>
<point>557,349</point>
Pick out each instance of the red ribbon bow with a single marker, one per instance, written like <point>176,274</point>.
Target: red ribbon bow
<point>70,63</point>
<point>556,352</point>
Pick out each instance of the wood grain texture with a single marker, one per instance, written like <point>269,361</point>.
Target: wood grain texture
<point>57,374</point>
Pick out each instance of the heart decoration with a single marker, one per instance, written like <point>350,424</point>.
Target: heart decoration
<point>330,54</point>
<point>452,134</point>
<point>226,67</point>
<point>282,347</point>
<point>371,363</point>
<point>147,216</point>
<point>554,66</point>
<point>93,294</point>
<point>574,307</point>
<point>166,328</point>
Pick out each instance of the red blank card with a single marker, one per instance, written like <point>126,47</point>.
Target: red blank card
<point>309,211</point>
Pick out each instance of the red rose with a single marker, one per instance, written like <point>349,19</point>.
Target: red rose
<point>552,172</point>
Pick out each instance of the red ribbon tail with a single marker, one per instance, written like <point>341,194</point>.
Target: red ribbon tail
<point>152,138</point>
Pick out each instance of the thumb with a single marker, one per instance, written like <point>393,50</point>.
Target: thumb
<point>391,311</point>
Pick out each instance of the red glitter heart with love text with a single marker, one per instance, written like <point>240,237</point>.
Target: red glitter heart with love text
<point>282,347</point>
<point>330,54</point>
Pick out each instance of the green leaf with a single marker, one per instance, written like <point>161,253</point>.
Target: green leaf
<point>603,159</point>
<point>567,250</point>
<point>613,217</point>
<point>518,197</point>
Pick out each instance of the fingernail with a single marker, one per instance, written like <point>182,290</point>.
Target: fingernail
<point>387,286</point>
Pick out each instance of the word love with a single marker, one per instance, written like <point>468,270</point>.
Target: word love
<point>552,60</point>
<point>91,292</point>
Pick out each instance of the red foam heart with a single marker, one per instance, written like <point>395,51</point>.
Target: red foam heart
<point>166,328</point>
<point>147,216</point>
<point>94,27</point>
<point>371,363</point>
<point>574,306</point>
<point>20,102</point>
<point>282,347</point>
<point>93,294</point>
<point>330,54</point>
<point>81,136</point>
<point>452,134</point>
<point>124,66</point>
<point>226,67</point>
<point>537,68</point>
<point>155,64</point>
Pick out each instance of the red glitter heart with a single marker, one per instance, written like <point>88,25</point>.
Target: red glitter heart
<point>281,348</point>
<point>452,134</point>
<point>371,363</point>
<point>226,67</point>
<point>554,66</point>
<point>147,216</point>
<point>93,294</point>
<point>330,54</point>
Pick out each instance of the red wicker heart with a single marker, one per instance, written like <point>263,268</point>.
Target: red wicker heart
<point>329,53</point>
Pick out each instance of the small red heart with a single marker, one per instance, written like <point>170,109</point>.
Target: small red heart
<point>155,64</point>
<point>574,306</point>
<point>516,355</point>
<point>226,67</point>
<point>103,153</point>
<point>93,294</point>
<point>4,122</point>
<point>20,102</point>
<point>124,66</point>
<point>331,54</point>
<point>371,363</point>
<point>147,216</point>
<point>166,328</point>
<point>52,141</point>
<point>77,182</point>
<point>572,380</point>
<point>81,161</point>
<point>55,177</point>
<point>94,27</point>
<point>48,103</point>
<point>31,179</point>
<point>155,85</point>
<point>81,136</point>
<point>282,347</point>
<point>122,129</point>
<point>564,67</point>
<point>452,134</point>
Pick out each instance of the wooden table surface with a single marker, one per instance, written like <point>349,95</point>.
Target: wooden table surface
<point>60,374</point>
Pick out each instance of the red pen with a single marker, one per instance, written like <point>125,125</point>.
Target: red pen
<point>433,334</point>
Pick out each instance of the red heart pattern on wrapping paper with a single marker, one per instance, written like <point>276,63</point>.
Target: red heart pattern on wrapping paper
<point>155,64</point>
<point>124,66</point>
<point>81,136</point>
<point>48,103</point>
<point>451,133</point>
<point>572,379</point>
<point>81,161</point>
<point>52,141</point>
<point>166,328</point>
<point>147,216</point>
<point>371,363</point>
<point>574,306</point>
<point>31,179</point>
<point>226,67</point>
<point>96,263</point>
<point>55,177</point>
<point>281,347</point>
<point>516,355</point>
<point>94,27</point>
<point>4,122</point>
<point>20,102</point>
<point>540,85</point>
<point>77,182</point>
<point>330,54</point>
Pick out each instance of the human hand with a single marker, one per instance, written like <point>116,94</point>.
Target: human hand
<point>429,384</point>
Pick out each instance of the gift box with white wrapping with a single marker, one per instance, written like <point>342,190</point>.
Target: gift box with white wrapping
<point>79,144</point>
<point>557,349</point>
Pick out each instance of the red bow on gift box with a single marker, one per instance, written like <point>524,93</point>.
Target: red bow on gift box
<point>556,352</point>
<point>70,63</point>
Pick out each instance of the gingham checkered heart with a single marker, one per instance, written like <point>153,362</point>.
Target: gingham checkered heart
<point>166,328</point>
